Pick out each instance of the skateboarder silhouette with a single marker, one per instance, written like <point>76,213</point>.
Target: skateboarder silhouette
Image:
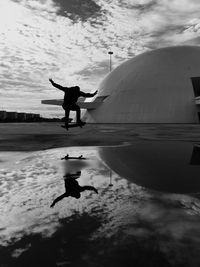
<point>70,98</point>
<point>72,188</point>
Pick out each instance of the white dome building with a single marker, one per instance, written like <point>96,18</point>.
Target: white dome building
<point>160,86</point>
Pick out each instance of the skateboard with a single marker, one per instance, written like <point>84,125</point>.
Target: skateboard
<point>72,125</point>
<point>68,157</point>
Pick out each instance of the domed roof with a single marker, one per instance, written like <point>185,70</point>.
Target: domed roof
<point>153,87</point>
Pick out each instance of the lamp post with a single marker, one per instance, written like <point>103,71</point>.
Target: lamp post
<point>110,184</point>
<point>110,53</point>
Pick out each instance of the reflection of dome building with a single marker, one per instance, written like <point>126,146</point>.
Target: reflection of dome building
<point>161,86</point>
<point>164,166</point>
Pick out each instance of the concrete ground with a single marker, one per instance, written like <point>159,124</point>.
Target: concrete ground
<point>39,136</point>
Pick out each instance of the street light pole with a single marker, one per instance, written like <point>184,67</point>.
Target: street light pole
<point>110,53</point>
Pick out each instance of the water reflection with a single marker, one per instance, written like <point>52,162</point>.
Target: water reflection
<point>72,187</point>
<point>164,166</point>
<point>96,230</point>
<point>195,158</point>
<point>67,157</point>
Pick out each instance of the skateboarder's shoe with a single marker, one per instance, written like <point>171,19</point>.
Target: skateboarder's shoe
<point>80,122</point>
<point>95,190</point>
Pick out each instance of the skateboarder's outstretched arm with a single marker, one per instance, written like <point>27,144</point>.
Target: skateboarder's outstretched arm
<point>88,94</point>
<point>88,187</point>
<point>57,85</point>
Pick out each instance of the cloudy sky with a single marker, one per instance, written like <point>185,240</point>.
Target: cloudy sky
<point>69,40</point>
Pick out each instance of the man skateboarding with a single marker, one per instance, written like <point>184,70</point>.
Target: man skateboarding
<point>72,188</point>
<point>70,98</point>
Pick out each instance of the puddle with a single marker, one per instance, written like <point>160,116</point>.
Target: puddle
<point>140,201</point>
<point>167,166</point>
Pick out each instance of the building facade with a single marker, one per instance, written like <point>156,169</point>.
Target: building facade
<point>2,115</point>
<point>160,86</point>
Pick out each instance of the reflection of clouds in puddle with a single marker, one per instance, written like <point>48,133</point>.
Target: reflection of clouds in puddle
<point>17,252</point>
<point>9,159</point>
<point>26,192</point>
<point>161,228</point>
<point>129,213</point>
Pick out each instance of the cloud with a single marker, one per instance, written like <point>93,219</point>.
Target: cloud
<point>69,40</point>
<point>128,215</point>
<point>141,5</point>
<point>77,9</point>
<point>193,41</point>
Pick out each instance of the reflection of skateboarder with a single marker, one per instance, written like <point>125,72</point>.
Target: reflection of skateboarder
<point>70,98</point>
<point>72,188</point>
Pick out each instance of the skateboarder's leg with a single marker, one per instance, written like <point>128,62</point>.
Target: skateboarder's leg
<point>88,187</point>
<point>78,113</point>
<point>58,199</point>
<point>67,111</point>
